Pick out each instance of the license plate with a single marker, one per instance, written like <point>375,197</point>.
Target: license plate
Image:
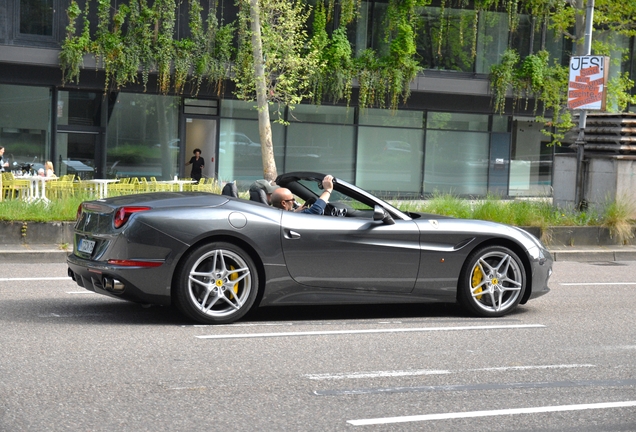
<point>86,246</point>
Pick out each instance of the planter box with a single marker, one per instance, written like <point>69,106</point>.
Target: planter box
<point>578,236</point>
<point>36,232</point>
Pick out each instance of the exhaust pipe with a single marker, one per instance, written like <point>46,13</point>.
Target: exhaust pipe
<point>112,284</point>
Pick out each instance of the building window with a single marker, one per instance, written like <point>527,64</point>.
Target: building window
<point>36,17</point>
<point>390,152</point>
<point>25,118</point>
<point>143,136</point>
<point>321,139</point>
<point>531,159</point>
<point>457,154</point>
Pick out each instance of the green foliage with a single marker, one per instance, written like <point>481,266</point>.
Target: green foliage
<point>502,78</point>
<point>617,216</point>
<point>534,78</point>
<point>74,48</point>
<point>135,39</point>
<point>57,210</point>
<point>289,59</point>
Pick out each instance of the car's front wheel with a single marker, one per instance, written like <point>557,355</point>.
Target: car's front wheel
<point>216,284</point>
<point>492,282</point>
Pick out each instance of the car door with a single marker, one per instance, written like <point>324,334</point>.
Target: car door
<point>351,253</point>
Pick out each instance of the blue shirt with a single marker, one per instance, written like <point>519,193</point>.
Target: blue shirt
<point>317,208</point>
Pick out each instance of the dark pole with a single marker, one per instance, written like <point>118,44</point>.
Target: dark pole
<point>580,140</point>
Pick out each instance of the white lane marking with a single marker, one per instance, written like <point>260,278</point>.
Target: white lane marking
<point>471,414</point>
<point>342,332</point>
<point>597,283</point>
<point>80,292</point>
<point>35,279</point>
<point>382,374</point>
<point>243,325</point>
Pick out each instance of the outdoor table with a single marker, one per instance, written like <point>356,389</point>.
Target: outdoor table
<point>37,187</point>
<point>102,186</point>
<point>177,182</point>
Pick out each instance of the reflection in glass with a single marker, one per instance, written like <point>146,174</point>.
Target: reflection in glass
<point>456,162</point>
<point>531,160</point>
<point>454,52</point>
<point>240,154</point>
<point>25,123</point>
<point>143,137</point>
<point>390,160</point>
<point>327,149</point>
<point>492,40</point>
<point>385,117</point>
<point>457,121</point>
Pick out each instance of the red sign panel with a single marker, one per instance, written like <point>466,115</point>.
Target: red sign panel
<point>587,89</point>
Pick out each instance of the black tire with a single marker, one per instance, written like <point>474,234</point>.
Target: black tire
<point>492,282</point>
<point>217,283</point>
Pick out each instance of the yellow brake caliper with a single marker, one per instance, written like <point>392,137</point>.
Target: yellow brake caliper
<point>234,276</point>
<point>476,279</point>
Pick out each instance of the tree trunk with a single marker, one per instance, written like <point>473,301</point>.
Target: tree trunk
<point>264,125</point>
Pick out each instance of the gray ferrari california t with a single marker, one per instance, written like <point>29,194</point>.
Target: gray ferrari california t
<point>215,257</point>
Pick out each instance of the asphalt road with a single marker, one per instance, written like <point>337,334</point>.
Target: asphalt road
<point>76,361</point>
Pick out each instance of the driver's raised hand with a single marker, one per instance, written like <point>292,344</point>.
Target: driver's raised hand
<point>327,183</point>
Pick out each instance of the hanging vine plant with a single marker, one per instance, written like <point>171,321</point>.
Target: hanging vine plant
<point>533,78</point>
<point>74,48</point>
<point>147,45</point>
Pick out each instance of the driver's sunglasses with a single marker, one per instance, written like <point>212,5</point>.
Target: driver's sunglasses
<point>289,200</point>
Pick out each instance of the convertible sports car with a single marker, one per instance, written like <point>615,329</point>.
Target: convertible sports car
<point>215,256</point>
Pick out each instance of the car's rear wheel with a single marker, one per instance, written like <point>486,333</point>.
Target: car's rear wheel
<point>217,283</point>
<point>492,282</point>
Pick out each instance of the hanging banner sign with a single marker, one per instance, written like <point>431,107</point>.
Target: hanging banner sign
<point>587,89</point>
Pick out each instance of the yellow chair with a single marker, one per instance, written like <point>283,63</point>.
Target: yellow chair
<point>123,187</point>
<point>63,187</point>
<point>144,186</point>
<point>13,188</point>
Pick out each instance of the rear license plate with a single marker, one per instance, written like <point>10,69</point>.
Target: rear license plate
<point>86,246</point>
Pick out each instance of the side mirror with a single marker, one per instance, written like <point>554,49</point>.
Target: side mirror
<point>379,213</point>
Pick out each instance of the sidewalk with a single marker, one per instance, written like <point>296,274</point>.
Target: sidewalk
<point>42,253</point>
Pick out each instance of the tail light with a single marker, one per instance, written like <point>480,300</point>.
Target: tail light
<point>122,214</point>
<point>79,213</point>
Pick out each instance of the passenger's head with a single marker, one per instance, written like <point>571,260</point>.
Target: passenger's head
<point>49,165</point>
<point>282,198</point>
<point>262,186</point>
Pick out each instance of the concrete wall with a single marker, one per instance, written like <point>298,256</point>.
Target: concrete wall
<point>607,179</point>
<point>564,181</point>
<point>36,233</point>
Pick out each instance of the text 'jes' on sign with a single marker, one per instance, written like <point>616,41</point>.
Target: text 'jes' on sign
<point>587,87</point>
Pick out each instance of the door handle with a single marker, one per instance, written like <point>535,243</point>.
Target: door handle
<point>289,234</point>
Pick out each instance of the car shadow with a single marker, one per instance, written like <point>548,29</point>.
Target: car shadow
<point>355,312</point>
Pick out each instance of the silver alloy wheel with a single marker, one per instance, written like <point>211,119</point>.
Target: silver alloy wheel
<point>496,281</point>
<point>219,283</point>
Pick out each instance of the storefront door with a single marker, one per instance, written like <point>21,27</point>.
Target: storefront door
<point>200,133</point>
